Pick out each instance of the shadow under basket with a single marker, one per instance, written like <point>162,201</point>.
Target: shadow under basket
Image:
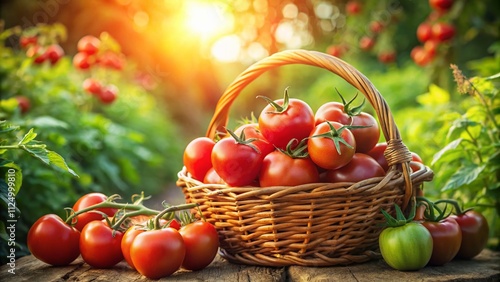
<point>316,224</point>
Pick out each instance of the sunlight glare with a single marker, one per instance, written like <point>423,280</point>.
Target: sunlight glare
<point>206,19</point>
<point>227,49</point>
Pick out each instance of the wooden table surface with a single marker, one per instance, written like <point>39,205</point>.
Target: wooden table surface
<point>485,267</point>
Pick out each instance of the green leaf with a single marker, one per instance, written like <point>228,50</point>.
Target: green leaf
<point>16,177</point>
<point>465,175</point>
<point>48,121</point>
<point>58,161</point>
<point>31,135</point>
<point>448,148</point>
<point>435,96</point>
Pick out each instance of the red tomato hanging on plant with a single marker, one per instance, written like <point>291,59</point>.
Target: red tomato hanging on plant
<point>86,201</point>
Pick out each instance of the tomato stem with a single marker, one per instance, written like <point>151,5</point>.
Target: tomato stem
<point>277,108</point>
<point>169,210</point>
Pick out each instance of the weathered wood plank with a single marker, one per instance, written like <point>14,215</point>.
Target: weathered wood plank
<point>485,267</point>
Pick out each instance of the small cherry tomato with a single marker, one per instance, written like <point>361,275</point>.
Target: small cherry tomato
<point>197,157</point>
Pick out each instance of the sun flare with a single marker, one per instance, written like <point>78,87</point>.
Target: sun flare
<point>206,19</point>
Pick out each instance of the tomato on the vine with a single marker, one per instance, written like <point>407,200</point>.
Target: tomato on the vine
<point>361,167</point>
<point>53,241</point>
<point>283,168</point>
<point>236,161</point>
<point>54,53</point>
<point>108,94</point>
<point>88,44</point>
<point>442,31</point>
<point>82,61</point>
<point>285,119</point>
<point>197,157</point>
<point>424,32</point>
<point>366,43</point>
<point>331,145</point>
<point>405,244</point>
<point>92,86</point>
<point>86,201</point>
<point>158,253</point>
<point>23,103</point>
<point>100,245</point>
<point>441,5</point>
<point>128,238</point>
<point>202,243</point>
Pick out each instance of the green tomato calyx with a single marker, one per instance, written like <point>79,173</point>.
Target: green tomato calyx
<point>400,219</point>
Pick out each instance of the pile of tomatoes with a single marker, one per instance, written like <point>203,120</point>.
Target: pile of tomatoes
<point>155,247</point>
<point>432,236</point>
<point>292,145</point>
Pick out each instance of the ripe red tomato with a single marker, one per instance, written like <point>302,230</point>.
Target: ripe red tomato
<point>387,57</point>
<point>25,41</point>
<point>293,119</point>
<point>415,158</point>
<point>53,241</point>
<point>100,246</point>
<point>366,43</point>
<point>366,138</point>
<point>158,253</point>
<point>431,47</point>
<point>353,7</point>
<point>82,61</point>
<point>252,131</point>
<point>88,44</point>
<point>475,233</point>
<point>420,56</point>
<point>112,60</point>
<point>108,94</point>
<point>336,50</point>
<point>92,86</point>
<point>443,31</point>
<point>446,238</point>
<point>86,201</point>
<point>197,157</point>
<point>202,243</point>
<point>280,169</point>
<point>424,32</point>
<point>54,53</point>
<point>237,163</point>
<point>361,167</point>
<point>37,53</point>
<point>327,153</point>
<point>377,153</point>
<point>212,177</point>
<point>376,26</point>
<point>441,5</point>
<point>128,238</point>
<point>23,103</point>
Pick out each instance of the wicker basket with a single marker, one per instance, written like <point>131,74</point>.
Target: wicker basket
<point>318,224</point>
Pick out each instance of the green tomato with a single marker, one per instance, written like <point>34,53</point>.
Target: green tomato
<point>407,247</point>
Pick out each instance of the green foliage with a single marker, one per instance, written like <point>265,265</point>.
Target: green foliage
<point>123,148</point>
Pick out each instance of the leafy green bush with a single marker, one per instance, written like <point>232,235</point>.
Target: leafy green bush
<point>126,147</point>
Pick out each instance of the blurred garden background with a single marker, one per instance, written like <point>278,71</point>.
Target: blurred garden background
<point>167,63</point>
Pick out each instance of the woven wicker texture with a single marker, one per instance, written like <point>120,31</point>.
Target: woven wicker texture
<point>318,224</point>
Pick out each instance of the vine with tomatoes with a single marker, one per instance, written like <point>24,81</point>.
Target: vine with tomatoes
<point>105,232</point>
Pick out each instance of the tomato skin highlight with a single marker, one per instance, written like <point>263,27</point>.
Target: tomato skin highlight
<point>53,241</point>
<point>202,243</point>
<point>475,233</point>
<point>294,123</point>
<point>158,253</point>
<point>407,247</point>
<point>197,157</point>
<point>88,200</point>
<point>100,246</point>
<point>278,169</point>
<point>446,237</point>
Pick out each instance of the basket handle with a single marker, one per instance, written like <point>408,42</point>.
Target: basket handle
<point>396,153</point>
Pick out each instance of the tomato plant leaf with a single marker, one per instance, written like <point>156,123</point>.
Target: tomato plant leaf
<point>448,148</point>
<point>16,177</point>
<point>58,161</point>
<point>31,135</point>
<point>48,121</point>
<point>465,175</point>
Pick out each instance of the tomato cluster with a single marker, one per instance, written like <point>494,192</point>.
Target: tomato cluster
<point>432,238</point>
<point>92,52</point>
<point>154,246</point>
<point>40,52</point>
<point>434,33</point>
<point>290,145</point>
